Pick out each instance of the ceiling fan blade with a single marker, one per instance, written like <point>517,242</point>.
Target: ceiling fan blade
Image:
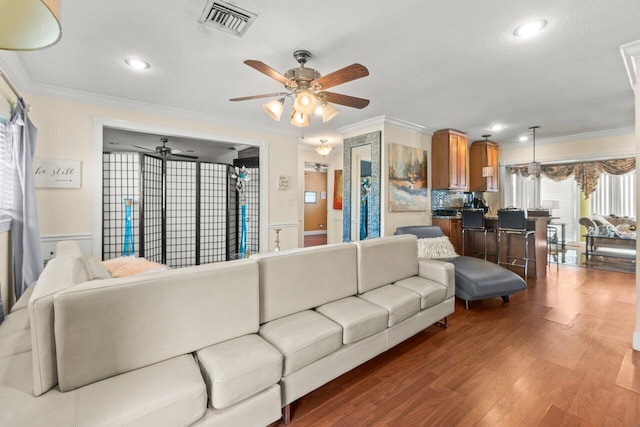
<point>349,101</point>
<point>343,75</point>
<point>265,69</point>
<point>267,95</point>
<point>144,148</point>
<point>186,156</point>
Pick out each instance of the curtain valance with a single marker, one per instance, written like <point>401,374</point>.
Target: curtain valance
<point>585,173</point>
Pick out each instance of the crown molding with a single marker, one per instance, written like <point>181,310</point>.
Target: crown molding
<point>17,73</point>
<point>575,137</point>
<point>630,55</point>
<point>380,121</point>
<point>403,124</point>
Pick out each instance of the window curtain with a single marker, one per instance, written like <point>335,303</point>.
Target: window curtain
<point>586,174</point>
<point>25,231</point>
<point>519,190</point>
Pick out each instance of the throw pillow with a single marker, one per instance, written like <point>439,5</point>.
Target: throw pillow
<point>436,247</point>
<point>130,265</point>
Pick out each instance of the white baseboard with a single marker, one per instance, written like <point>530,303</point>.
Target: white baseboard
<point>48,243</point>
<point>636,341</point>
<point>315,232</point>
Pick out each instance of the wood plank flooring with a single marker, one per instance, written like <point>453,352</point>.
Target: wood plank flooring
<point>559,354</point>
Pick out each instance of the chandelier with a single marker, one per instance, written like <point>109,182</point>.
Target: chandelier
<point>323,149</point>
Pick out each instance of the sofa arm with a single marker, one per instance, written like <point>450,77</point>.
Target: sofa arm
<point>438,271</point>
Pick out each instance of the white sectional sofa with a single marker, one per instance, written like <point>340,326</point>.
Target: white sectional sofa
<point>227,344</point>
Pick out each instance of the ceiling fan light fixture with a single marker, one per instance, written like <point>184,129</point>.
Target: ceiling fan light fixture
<point>323,149</point>
<point>299,119</point>
<point>274,108</point>
<point>328,112</point>
<point>305,102</point>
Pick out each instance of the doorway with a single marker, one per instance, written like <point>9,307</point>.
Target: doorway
<point>205,222</point>
<point>315,204</point>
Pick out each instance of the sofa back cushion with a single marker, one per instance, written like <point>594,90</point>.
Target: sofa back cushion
<point>386,260</point>
<point>61,272</point>
<point>300,279</point>
<point>107,327</point>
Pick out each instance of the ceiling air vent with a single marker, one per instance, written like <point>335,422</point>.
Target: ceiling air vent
<point>227,17</point>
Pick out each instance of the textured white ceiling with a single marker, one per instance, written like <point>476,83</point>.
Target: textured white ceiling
<point>438,64</point>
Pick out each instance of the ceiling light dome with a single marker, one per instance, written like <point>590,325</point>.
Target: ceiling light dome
<point>137,63</point>
<point>323,149</point>
<point>530,29</point>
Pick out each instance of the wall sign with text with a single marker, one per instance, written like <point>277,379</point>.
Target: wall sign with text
<point>54,173</point>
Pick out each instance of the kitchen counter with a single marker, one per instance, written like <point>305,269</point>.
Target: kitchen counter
<point>451,225</point>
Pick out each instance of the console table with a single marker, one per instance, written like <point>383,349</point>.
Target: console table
<point>610,247</point>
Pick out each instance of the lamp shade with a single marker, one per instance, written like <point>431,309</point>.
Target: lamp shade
<point>29,24</point>
<point>487,171</point>
<point>328,112</point>
<point>274,109</point>
<point>299,119</point>
<point>305,102</point>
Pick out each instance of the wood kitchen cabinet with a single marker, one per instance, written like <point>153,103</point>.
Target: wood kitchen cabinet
<point>452,228</point>
<point>449,160</point>
<point>482,154</point>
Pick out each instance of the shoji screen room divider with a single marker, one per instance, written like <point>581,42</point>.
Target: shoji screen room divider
<point>184,212</point>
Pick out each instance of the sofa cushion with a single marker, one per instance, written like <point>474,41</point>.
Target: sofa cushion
<point>169,393</point>
<point>239,368</point>
<point>15,334</point>
<point>62,272</point>
<point>174,312</point>
<point>386,260</point>
<point>401,303</point>
<point>302,338</point>
<point>23,301</point>
<point>165,394</point>
<point>358,318</point>
<point>95,268</point>
<point>431,293</point>
<point>293,281</point>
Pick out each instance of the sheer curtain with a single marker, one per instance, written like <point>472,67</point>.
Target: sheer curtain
<point>25,231</point>
<point>519,191</point>
<point>615,194</point>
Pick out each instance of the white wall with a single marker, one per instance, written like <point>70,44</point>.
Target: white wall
<point>393,220</point>
<point>66,131</point>
<point>622,145</point>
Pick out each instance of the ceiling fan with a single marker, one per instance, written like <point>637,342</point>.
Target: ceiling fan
<point>164,151</point>
<point>308,88</point>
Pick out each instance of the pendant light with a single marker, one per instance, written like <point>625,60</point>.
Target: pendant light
<point>534,167</point>
<point>29,24</point>
<point>487,171</point>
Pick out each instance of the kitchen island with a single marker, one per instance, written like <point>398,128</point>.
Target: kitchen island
<point>452,227</point>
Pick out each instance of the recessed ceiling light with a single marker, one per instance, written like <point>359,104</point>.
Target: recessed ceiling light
<point>523,138</point>
<point>137,64</point>
<point>496,127</point>
<point>530,29</point>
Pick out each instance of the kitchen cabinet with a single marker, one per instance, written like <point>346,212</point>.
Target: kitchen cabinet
<point>449,160</point>
<point>483,154</point>
<point>452,228</point>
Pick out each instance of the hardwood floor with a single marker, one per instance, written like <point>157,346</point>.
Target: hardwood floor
<point>559,354</point>
<point>315,240</point>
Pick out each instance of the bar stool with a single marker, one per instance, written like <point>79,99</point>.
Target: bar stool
<point>473,220</point>
<point>553,240</point>
<point>513,222</point>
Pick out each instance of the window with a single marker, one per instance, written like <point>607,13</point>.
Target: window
<point>567,193</point>
<point>615,194</point>
<point>6,174</point>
